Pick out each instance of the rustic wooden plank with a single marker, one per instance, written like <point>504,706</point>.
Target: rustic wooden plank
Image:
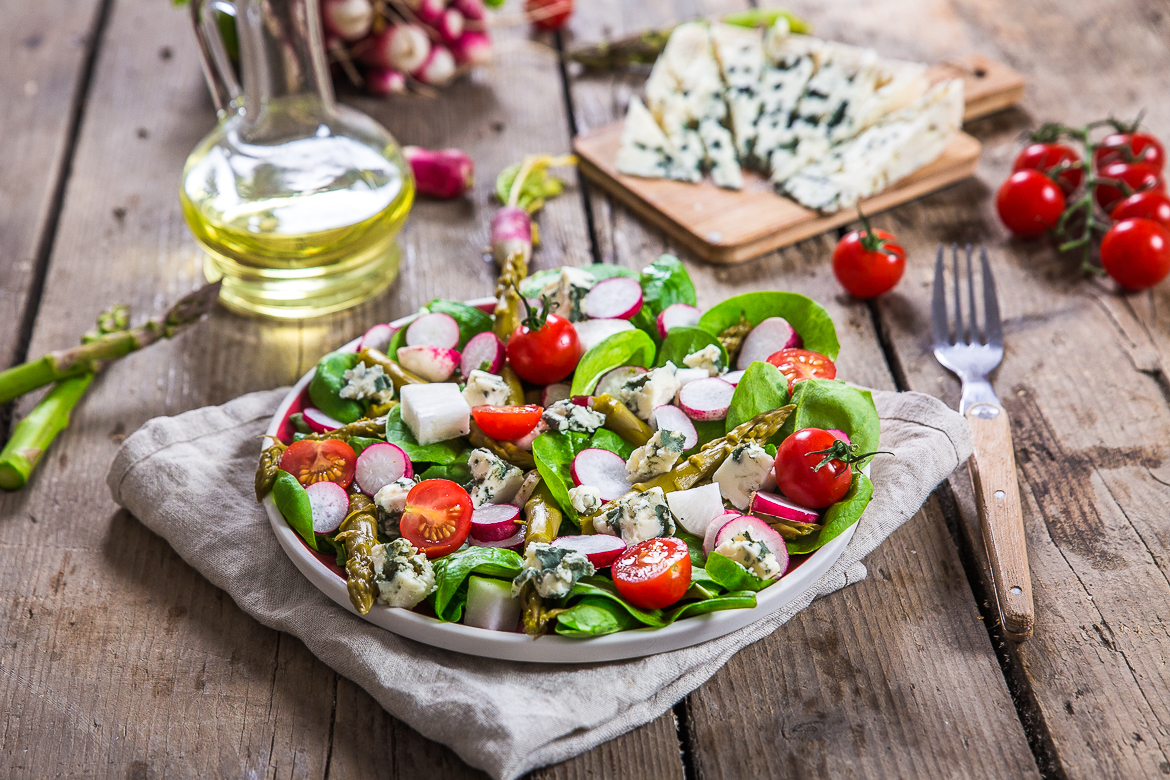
<point>44,52</point>
<point>893,677</point>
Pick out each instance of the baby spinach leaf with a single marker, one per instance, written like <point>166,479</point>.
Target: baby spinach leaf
<point>628,348</point>
<point>554,453</point>
<point>810,320</point>
<point>682,341</point>
<point>443,453</point>
<point>471,320</point>
<point>325,387</point>
<point>608,270</point>
<point>666,282</point>
<point>732,575</point>
<point>594,616</point>
<point>708,430</point>
<point>605,439</point>
<point>761,389</point>
<point>452,571</point>
<point>740,599</point>
<point>293,502</point>
<point>838,517</point>
<point>596,585</point>
<point>829,403</point>
<point>359,443</point>
<point>695,548</point>
<point>457,471</point>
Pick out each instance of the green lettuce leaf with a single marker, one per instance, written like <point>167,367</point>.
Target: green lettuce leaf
<point>452,571</point>
<point>761,389</point>
<point>732,575</point>
<point>838,517</point>
<point>443,453</point>
<point>594,616</point>
<point>682,341</point>
<point>628,348</point>
<point>829,403</point>
<point>810,320</point>
<point>605,439</point>
<point>471,321</point>
<point>666,282</point>
<point>554,453</point>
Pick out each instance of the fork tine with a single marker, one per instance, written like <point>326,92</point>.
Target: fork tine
<point>973,328</point>
<point>958,296</point>
<point>938,306</point>
<point>992,323</point>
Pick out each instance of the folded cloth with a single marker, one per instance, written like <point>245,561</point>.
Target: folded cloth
<point>184,475</point>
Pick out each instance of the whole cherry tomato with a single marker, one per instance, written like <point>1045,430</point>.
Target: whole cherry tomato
<point>437,517</point>
<point>1130,147</point>
<point>797,364</point>
<point>1146,205</point>
<point>507,423</point>
<point>653,574</point>
<point>544,348</point>
<point>331,460</point>
<point>807,474</point>
<point>1139,177</point>
<point>548,14</point>
<point>1029,203</point>
<point>868,262</point>
<point>1136,253</point>
<point>1045,157</point>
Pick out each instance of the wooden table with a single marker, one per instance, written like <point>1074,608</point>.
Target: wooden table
<point>119,660</point>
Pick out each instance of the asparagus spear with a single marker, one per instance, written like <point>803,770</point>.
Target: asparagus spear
<point>359,532</point>
<point>733,335</point>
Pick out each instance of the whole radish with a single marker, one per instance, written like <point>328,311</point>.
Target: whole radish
<point>403,47</point>
<point>471,9</point>
<point>511,234</point>
<point>450,26</point>
<point>385,81</point>
<point>473,48</point>
<point>349,20</point>
<point>438,69</point>
<point>429,12</point>
<point>440,173</point>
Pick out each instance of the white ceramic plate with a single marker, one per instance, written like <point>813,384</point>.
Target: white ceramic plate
<point>546,649</point>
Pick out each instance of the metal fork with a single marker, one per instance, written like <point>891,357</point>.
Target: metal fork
<point>972,356</point>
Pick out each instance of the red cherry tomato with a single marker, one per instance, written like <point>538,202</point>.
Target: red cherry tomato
<point>1130,147</point>
<point>437,517</point>
<point>797,364</point>
<point>797,474</point>
<point>653,574</point>
<point>1136,253</point>
<point>547,354</point>
<point>1046,157</point>
<point>331,460</point>
<point>1029,203</point>
<point>868,263</point>
<point>1144,205</point>
<point>507,423</point>
<point>1139,177</point>
<point>548,14</point>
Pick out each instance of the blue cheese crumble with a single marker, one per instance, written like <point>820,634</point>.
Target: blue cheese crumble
<point>484,389</point>
<point>566,292</point>
<point>642,393</point>
<point>742,473</point>
<point>752,555</point>
<point>493,480</point>
<point>552,570</point>
<point>367,383</point>
<point>403,575</point>
<point>636,517</point>
<point>390,502</point>
<point>657,456</point>
<point>564,416</point>
<point>709,358</point>
<point>586,499</point>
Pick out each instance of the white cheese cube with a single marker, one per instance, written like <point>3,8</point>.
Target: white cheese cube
<point>697,507</point>
<point>742,473</point>
<point>435,412</point>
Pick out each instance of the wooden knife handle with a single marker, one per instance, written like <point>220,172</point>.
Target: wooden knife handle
<point>997,497</point>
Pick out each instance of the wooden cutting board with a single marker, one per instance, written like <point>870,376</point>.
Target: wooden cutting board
<point>729,226</point>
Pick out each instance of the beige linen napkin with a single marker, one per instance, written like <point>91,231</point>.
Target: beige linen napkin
<point>189,479</point>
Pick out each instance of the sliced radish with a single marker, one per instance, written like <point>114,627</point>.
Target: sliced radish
<point>377,337</point>
<point>760,532</point>
<point>612,380</point>
<point>675,315</point>
<point>590,333</point>
<point>600,549</point>
<point>582,400</point>
<point>733,376</point>
<point>618,297</point>
<point>493,522</point>
<point>320,422</point>
<point>779,506</point>
<point>767,338</point>
<point>433,330</point>
<point>513,542</point>
<point>490,605</point>
<point>840,435</point>
<point>686,375</point>
<point>379,465</point>
<point>706,399</point>
<point>697,507</point>
<point>671,418</point>
<point>603,470</point>
<point>484,351</point>
<point>558,391</point>
<point>713,529</point>
<point>330,505</point>
<point>434,364</point>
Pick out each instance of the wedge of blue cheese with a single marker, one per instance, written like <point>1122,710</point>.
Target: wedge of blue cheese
<point>493,480</point>
<point>791,60</point>
<point>740,53</point>
<point>552,570</point>
<point>647,152</point>
<point>656,456</point>
<point>636,517</point>
<point>403,575</point>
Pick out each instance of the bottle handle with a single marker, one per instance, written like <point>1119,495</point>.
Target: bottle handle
<point>217,65</point>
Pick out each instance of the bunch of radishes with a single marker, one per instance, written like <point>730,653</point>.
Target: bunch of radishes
<point>392,45</point>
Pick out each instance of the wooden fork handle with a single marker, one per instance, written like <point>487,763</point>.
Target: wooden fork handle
<point>997,497</point>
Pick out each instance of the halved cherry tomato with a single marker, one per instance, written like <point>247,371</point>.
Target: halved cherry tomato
<point>1130,147</point>
<point>1136,253</point>
<point>331,460</point>
<point>653,574</point>
<point>544,350</point>
<point>437,517</point>
<point>1029,203</point>
<point>800,476</point>
<point>1139,177</point>
<point>1144,205</point>
<point>797,364</point>
<point>507,423</point>
<point>1048,157</point>
<point>868,262</point>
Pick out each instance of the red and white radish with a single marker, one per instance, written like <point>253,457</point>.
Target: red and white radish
<point>438,68</point>
<point>513,542</point>
<point>706,399</point>
<point>558,391</point>
<point>429,12</point>
<point>714,527</point>
<point>733,376</point>
<point>472,9</point>
<point>379,465</point>
<point>590,333</point>
<point>583,400</point>
<point>618,297</point>
<point>611,381</point>
<point>697,507</point>
<point>450,26</point>
<point>434,364</point>
<point>490,605</point>
<point>377,337</point>
<point>385,81</point>
<point>603,470</point>
<point>767,338</point>
<point>484,351</point>
<point>677,314</point>
<point>434,330</point>
<point>319,422</point>
<point>759,532</point>
<point>349,20</point>
<point>671,418</point>
<point>493,522</point>
<point>473,48</point>
<point>779,506</point>
<point>329,503</point>
<point>600,549</point>
<point>440,173</point>
<point>511,233</point>
<point>403,47</point>
<point>686,375</point>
